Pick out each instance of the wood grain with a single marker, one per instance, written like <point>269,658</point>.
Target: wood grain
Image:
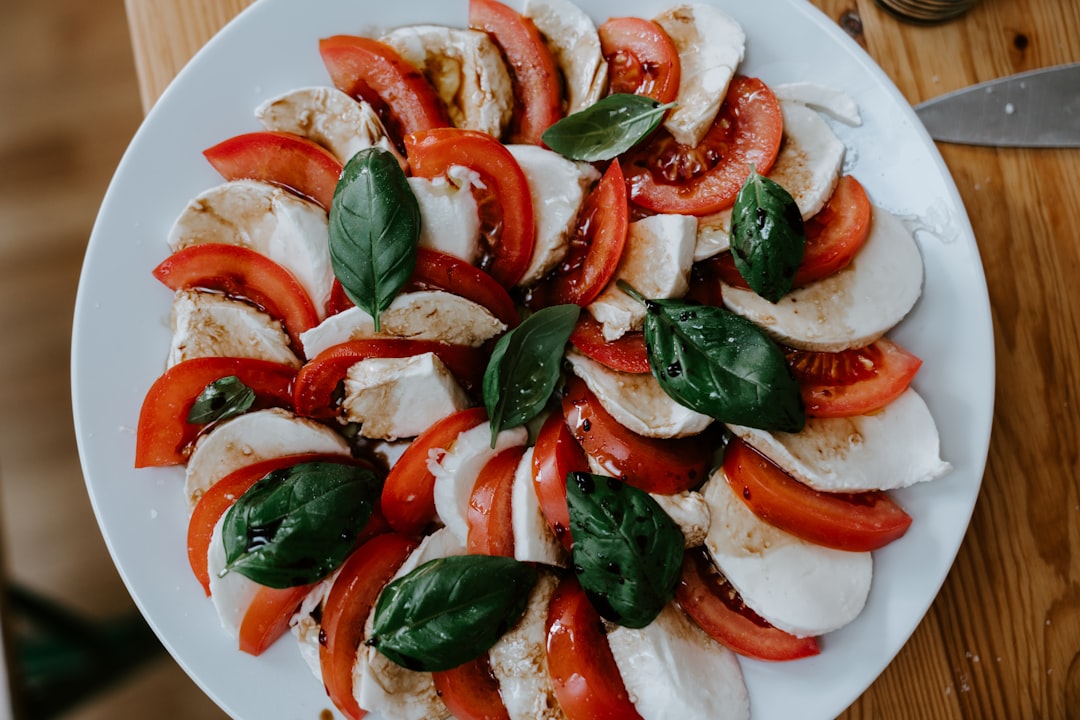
<point>1002,640</point>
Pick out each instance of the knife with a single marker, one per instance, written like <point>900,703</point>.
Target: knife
<point>1040,108</point>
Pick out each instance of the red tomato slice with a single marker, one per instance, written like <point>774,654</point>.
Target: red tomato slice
<point>164,434</point>
<point>583,672</point>
<point>595,247</point>
<point>471,691</point>
<point>641,58</point>
<point>555,455</point>
<point>666,177</point>
<point>241,272</point>
<point>268,616</point>
<point>533,71</point>
<point>853,382</point>
<point>491,529</point>
<point>833,237</point>
<point>281,158</point>
<point>507,210</point>
<point>627,354</point>
<point>715,605</point>
<point>317,381</point>
<point>855,522</point>
<point>372,70</point>
<point>346,609</point>
<point>651,464</point>
<point>407,499</point>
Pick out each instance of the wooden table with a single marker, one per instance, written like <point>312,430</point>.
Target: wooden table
<point>1002,640</point>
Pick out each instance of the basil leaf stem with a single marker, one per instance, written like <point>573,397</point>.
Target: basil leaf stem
<point>524,367</point>
<point>374,230</point>
<point>606,129</point>
<point>222,399</point>
<point>767,236</point>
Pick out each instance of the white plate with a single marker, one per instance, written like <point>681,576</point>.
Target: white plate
<point>121,335</point>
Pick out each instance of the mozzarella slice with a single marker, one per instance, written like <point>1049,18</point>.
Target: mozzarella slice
<point>690,512</point>
<point>637,401</point>
<point>231,593</point>
<point>571,36</point>
<point>249,438</point>
<point>268,219</point>
<point>672,670</point>
<point>449,216</point>
<point>835,103</point>
<point>456,472</point>
<point>558,187</point>
<point>711,45</point>
<point>519,660</point>
<point>893,448</point>
<point>801,588</point>
<point>330,117</point>
<point>210,325</point>
<point>424,315</point>
<point>533,539</point>
<point>850,308</point>
<point>810,158</point>
<point>466,69</point>
<point>713,235</point>
<point>656,260</point>
<point>400,397</point>
<point>305,625</point>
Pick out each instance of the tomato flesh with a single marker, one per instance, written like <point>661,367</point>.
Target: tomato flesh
<point>666,177</point>
<point>855,522</point>
<point>268,616</point>
<point>555,455</point>
<point>471,691</point>
<point>641,58</point>
<point>490,518</point>
<point>716,607</point>
<point>627,354</point>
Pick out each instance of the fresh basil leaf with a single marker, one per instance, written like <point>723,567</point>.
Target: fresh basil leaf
<point>606,129</point>
<point>627,551</point>
<point>297,525</point>
<point>524,367</point>
<point>767,236</point>
<point>450,610</point>
<point>222,399</point>
<point>720,364</point>
<point>374,230</point>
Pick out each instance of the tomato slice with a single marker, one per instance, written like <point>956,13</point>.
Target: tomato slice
<point>281,158</point>
<point>833,237</point>
<point>241,272</point>
<point>533,71</point>
<point>555,455</point>
<point>372,70</point>
<point>852,382</point>
<point>715,605</point>
<point>651,464</point>
<point>491,529</point>
<point>583,672</point>
<point>595,247</point>
<point>407,499</point>
<point>855,522</point>
<point>627,354</point>
<point>471,691</point>
<point>268,616</point>
<point>164,434</point>
<point>347,607</point>
<point>666,177</point>
<point>641,58</point>
<point>507,216</point>
<point>317,381</point>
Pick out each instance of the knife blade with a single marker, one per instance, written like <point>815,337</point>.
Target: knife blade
<point>1040,108</point>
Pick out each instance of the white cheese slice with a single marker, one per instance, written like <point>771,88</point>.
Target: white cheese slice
<point>449,216</point>
<point>801,588</point>
<point>231,593</point>
<point>713,235</point>
<point>206,324</point>
<point>571,36</point>
<point>850,308</point>
<point>892,448</point>
<point>423,315</point>
<point>268,219</point>
<point>672,670</point>
<point>810,160</point>
<point>306,627</point>
<point>533,539</point>
<point>835,103</point>
<point>690,512</point>
<point>711,44</point>
<point>656,260</point>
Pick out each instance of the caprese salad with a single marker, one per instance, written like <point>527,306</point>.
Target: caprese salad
<point>538,368</point>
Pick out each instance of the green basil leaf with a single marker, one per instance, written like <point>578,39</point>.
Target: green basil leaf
<point>222,399</point>
<point>297,525</point>
<point>767,236</point>
<point>450,610</point>
<point>606,129</point>
<point>627,551</point>
<point>524,367</point>
<point>720,364</point>
<point>374,230</point>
